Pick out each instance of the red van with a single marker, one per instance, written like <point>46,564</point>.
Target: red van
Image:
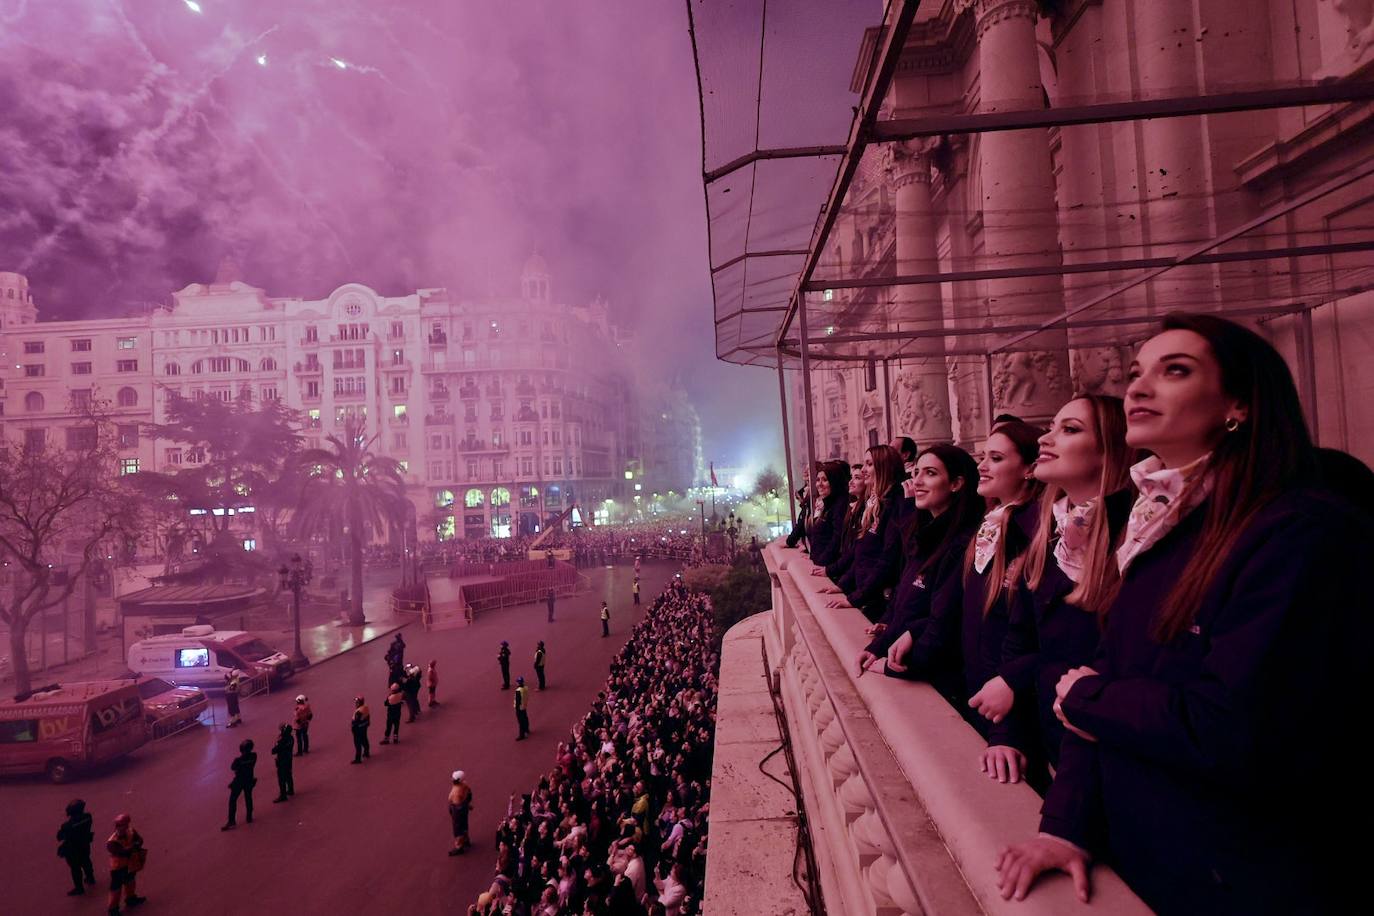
<point>64,727</point>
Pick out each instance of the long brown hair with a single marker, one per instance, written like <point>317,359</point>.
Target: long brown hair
<point>1098,586</point>
<point>854,514</point>
<point>1026,440</point>
<point>936,536</point>
<point>1268,453</point>
<point>887,472</point>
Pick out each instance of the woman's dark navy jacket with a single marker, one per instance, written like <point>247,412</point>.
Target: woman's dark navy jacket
<point>1224,777</point>
<point>933,621</point>
<point>878,556</point>
<point>981,635</point>
<point>1047,636</point>
<point>824,534</point>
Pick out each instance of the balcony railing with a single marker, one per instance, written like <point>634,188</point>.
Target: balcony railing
<point>404,365</point>
<point>468,392</point>
<point>353,394</point>
<point>310,341</point>
<point>439,339</point>
<point>309,368</point>
<point>398,420</point>
<point>438,394</point>
<point>526,415</point>
<point>901,820</point>
<point>439,419</point>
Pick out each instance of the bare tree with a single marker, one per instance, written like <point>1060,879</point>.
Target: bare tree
<point>60,509</point>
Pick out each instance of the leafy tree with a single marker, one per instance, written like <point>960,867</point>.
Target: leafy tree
<point>60,510</point>
<point>769,482</point>
<point>350,486</point>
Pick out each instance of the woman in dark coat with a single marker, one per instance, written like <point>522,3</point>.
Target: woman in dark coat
<point>825,524</point>
<point>1208,736</point>
<point>1069,571</point>
<point>837,568</point>
<point>878,548</point>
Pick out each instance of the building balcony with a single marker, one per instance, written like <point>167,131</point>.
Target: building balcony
<point>524,390</point>
<point>361,337</point>
<point>349,366</point>
<point>438,394</point>
<point>470,417</point>
<point>353,395</point>
<point>310,397</point>
<point>404,365</point>
<point>901,819</point>
<point>469,392</point>
<point>401,420</point>
<point>309,368</point>
<point>310,342</point>
<point>494,391</point>
<point>498,418</point>
<point>481,445</point>
<point>438,339</point>
<point>439,419</point>
<point>526,415</point>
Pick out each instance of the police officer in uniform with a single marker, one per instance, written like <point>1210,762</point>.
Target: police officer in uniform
<point>302,716</point>
<point>281,754</point>
<point>362,718</point>
<point>605,620</point>
<point>539,663</point>
<point>242,783</point>
<point>503,658</point>
<point>522,708</point>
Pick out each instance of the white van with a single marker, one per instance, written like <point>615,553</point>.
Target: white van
<point>201,656</point>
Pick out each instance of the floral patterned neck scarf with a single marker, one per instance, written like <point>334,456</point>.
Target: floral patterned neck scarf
<point>1072,524</point>
<point>988,537</point>
<point>1167,495</point>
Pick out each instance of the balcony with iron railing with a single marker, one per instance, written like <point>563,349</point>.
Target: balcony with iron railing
<point>350,394</point>
<point>439,419</point>
<point>404,365</point>
<point>494,391</point>
<point>309,368</point>
<point>310,341</point>
<point>900,819</point>
<point>438,394</point>
<point>398,419</point>
<point>526,415</point>
<point>469,392</point>
<point>438,339</point>
<point>481,445</point>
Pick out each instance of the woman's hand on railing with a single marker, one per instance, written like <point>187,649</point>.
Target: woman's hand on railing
<point>838,602</point>
<point>994,700</point>
<point>829,590</point>
<point>875,629</point>
<point>1002,763</point>
<point>898,651</point>
<point>1019,865</point>
<point>818,571</point>
<point>866,660</point>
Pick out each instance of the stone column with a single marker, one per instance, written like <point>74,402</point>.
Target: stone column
<point>1018,208</point>
<point>919,391</point>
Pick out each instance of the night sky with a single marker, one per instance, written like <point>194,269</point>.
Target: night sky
<point>400,144</point>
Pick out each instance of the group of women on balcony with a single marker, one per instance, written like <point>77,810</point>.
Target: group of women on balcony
<point>1152,611</point>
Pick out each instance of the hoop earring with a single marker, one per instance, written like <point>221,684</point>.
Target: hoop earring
<point>1232,424</point>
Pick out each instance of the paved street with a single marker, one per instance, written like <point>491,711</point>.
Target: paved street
<point>355,839</point>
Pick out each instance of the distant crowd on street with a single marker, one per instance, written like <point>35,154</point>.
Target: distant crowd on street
<point>1150,611</point>
<point>619,824</point>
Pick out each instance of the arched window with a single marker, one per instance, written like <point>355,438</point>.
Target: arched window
<point>443,499</point>
<point>127,397</point>
<point>33,402</point>
<point>172,369</point>
<point>474,498</point>
<point>268,364</point>
<point>500,497</point>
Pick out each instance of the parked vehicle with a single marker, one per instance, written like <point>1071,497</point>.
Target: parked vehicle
<point>169,708</point>
<point>201,656</point>
<point>61,728</point>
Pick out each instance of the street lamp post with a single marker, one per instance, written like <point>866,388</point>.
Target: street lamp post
<point>733,532</point>
<point>295,580</point>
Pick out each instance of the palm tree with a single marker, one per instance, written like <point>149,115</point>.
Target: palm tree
<point>349,486</point>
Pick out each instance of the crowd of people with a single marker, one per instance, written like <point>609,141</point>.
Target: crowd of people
<point>1150,612</point>
<point>618,826</point>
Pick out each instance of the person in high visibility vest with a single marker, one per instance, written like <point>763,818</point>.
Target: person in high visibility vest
<point>605,620</point>
<point>522,708</point>
<point>231,698</point>
<point>539,663</point>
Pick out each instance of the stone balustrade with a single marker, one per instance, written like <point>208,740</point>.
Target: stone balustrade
<point>901,818</point>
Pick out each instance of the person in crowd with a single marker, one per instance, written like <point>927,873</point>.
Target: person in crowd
<point>503,659</point>
<point>992,568</point>
<point>242,783</point>
<point>805,503</point>
<point>1069,571</point>
<point>432,682</point>
<point>878,545</point>
<point>410,689</point>
<point>301,716</point>
<point>127,858</point>
<point>281,756</point>
<point>393,703</point>
<point>539,656</point>
<point>522,708</point>
<point>906,447</point>
<point>825,521</point>
<point>396,653</point>
<point>74,840</point>
<point>635,587</point>
<point>359,724</point>
<point>919,636</point>
<point>1204,735</point>
<point>549,599</point>
<point>459,804</point>
<point>232,685</point>
<point>605,620</point>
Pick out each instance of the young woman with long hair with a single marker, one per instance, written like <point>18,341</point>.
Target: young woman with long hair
<point>878,548</point>
<point>1068,570</point>
<point>849,530</point>
<point>1208,738</point>
<point>830,502</point>
<point>946,508</point>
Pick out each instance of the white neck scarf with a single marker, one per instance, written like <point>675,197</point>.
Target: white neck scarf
<point>988,537</point>
<point>1071,524</point>
<point>1167,495</point>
